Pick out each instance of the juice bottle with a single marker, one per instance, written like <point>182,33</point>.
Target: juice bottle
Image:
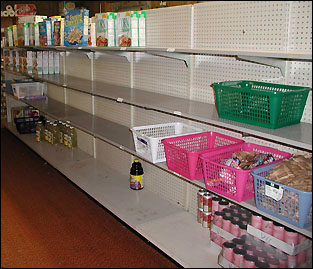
<point>66,135</point>
<point>55,134</point>
<point>47,130</point>
<point>73,136</point>
<point>136,176</point>
<point>60,125</point>
<point>40,131</point>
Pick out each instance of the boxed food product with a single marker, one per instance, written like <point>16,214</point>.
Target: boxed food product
<point>51,63</point>
<point>26,34</point>
<point>39,62</point>
<point>76,27</point>
<point>14,60</point>
<point>134,29</point>
<point>25,9</point>
<point>29,55</point>
<point>65,6</point>
<point>31,34</point>
<point>45,33</point>
<point>6,59</point>
<point>92,32</point>
<point>15,37</point>
<point>9,36</point>
<point>35,65</point>
<point>36,34</point>
<point>57,33</point>
<point>123,28</point>
<point>31,18</point>
<point>17,112</point>
<point>20,60</point>
<point>142,28</point>
<point>56,57</point>
<point>20,34</point>
<point>45,62</point>
<point>11,60</point>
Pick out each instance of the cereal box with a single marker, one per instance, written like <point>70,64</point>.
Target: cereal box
<point>142,28</point>
<point>45,33</point>
<point>92,32</point>
<point>56,57</point>
<point>11,60</point>
<point>76,27</point>
<point>26,34</point>
<point>51,63</point>
<point>29,58</point>
<point>123,29</point>
<point>45,62</point>
<point>6,59</point>
<point>101,30</point>
<point>14,60</point>
<point>24,57</point>
<point>30,18</point>
<point>62,32</point>
<point>9,36</point>
<point>20,34</point>
<point>39,62</point>
<point>134,22</point>
<point>15,38</point>
<point>57,33</point>
<point>31,34</point>
<point>35,65</point>
<point>36,34</point>
<point>17,60</point>
<point>20,60</point>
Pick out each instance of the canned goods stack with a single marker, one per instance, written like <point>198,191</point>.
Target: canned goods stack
<point>204,208</point>
<point>229,221</point>
<point>250,252</point>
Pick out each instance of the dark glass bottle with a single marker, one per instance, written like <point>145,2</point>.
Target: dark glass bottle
<point>136,176</point>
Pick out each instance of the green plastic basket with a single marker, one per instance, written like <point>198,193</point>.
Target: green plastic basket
<point>263,104</point>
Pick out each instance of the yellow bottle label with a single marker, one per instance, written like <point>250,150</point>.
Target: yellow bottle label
<point>61,138</point>
<point>136,182</point>
<point>65,140</point>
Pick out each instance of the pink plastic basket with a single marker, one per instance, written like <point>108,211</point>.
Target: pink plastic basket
<point>228,181</point>
<point>182,153</point>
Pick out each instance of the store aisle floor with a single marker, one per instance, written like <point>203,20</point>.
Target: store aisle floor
<point>47,222</point>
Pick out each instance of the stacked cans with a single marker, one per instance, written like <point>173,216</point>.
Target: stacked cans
<point>204,208</point>
<point>232,219</point>
<point>250,252</point>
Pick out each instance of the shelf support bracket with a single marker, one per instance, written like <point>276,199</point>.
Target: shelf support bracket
<point>179,56</point>
<point>115,53</point>
<point>86,53</point>
<point>275,62</point>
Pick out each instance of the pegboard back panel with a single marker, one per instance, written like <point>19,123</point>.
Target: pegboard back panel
<point>193,200</point>
<point>167,186</point>
<point>161,75</point>
<point>113,111</point>
<point>84,141</point>
<point>300,26</point>
<point>142,117</point>
<point>300,74</point>
<point>169,27</point>
<point>210,69</point>
<point>113,157</point>
<point>112,69</point>
<point>78,65</point>
<point>56,92</point>
<point>248,25</point>
<point>79,100</point>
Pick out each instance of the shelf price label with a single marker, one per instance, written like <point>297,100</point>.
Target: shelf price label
<point>170,50</point>
<point>120,100</point>
<point>274,191</point>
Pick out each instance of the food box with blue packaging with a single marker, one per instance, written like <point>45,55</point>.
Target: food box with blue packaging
<point>76,27</point>
<point>45,33</point>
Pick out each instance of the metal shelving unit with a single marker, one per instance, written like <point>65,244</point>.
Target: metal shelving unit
<point>121,137</point>
<point>297,135</point>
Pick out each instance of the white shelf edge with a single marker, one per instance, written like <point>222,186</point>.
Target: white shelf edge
<point>249,204</point>
<point>203,246</point>
<point>289,55</point>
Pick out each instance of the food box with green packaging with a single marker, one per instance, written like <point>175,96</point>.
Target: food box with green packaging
<point>105,29</point>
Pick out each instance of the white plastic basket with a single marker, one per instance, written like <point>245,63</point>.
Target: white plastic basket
<point>21,90</point>
<point>147,139</point>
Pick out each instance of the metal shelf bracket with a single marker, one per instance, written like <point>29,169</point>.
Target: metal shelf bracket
<point>87,53</point>
<point>125,54</point>
<point>276,62</point>
<point>179,56</point>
